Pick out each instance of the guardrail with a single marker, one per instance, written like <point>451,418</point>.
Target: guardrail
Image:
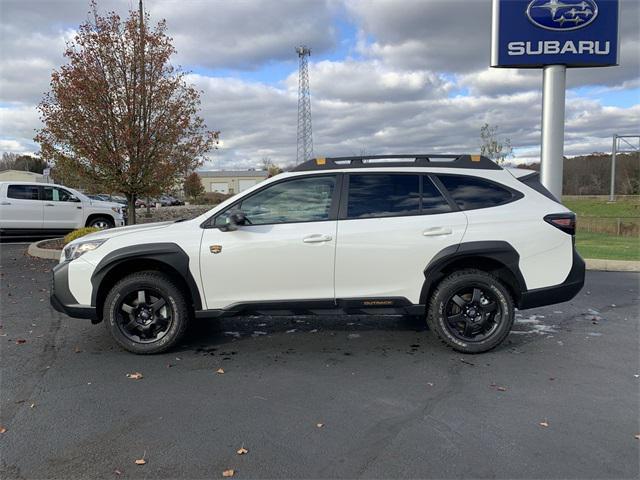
<point>618,226</point>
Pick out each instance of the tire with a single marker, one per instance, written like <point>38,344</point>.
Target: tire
<point>467,321</point>
<point>102,222</point>
<point>145,325</point>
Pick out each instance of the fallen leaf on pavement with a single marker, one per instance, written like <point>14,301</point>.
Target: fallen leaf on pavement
<point>117,472</point>
<point>33,405</point>
<point>134,376</point>
<point>141,461</point>
<point>319,425</point>
<point>638,436</point>
<point>502,389</point>
<point>2,429</point>
<point>20,341</point>
<point>229,473</point>
<point>242,451</point>
<point>220,371</point>
<point>544,424</point>
<point>77,350</point>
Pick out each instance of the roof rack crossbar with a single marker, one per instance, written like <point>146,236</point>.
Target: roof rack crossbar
<point>419,160</point>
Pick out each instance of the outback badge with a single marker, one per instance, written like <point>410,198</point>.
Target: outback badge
<point>215,248</point>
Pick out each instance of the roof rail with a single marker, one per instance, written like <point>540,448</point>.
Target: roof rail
<point>418,160</point>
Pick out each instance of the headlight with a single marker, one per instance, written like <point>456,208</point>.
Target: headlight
<point>116,209</point>
<point>75,250</point>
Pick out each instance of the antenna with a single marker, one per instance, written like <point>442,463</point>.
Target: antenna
<point>305,137</point>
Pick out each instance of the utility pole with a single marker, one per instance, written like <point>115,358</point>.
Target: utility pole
<point>615,149</point>
<point>305,136</point>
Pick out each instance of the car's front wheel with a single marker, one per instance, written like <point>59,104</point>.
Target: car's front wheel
<point>146,312</point>
<point>471,311</point>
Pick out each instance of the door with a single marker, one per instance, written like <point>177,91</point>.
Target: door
<point>62,209</point>
<point>390,227</point>
<point>21,208</point>
<point>245,184</point>
<point>220,187</point>
<point>285,253</point>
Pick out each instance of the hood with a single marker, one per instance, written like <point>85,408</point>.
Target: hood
<point>103,204</point>
<point>115,232</point>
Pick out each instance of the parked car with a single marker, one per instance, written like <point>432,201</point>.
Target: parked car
<point>142,202</point>
<point>36,208</point>
<point>459,241</point>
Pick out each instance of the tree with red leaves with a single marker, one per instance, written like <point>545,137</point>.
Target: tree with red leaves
<point>118,114</point>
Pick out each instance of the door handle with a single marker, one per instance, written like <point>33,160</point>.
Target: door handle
<point>434,232</point>
<point>49,205</point>
<point>5,203</point>
<point>317,238</point>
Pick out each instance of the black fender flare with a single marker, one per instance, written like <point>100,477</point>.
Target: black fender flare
<point>500,252</point>
<point>169,254</point>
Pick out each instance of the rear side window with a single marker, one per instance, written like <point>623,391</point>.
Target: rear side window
<point>471,193</point>
<point>375,195</point>
<point>533,180</point>
<point>23,192</point>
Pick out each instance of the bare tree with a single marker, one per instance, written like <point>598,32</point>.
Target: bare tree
<point>492,147</point>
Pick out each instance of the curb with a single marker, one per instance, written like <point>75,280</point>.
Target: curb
<point>48,253</point>
<point>613,265</point>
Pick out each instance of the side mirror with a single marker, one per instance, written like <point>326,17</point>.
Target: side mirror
<point>73,198</point>
<point>237,218</point>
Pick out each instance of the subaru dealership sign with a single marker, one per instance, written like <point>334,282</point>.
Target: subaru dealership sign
<point>535,33</point>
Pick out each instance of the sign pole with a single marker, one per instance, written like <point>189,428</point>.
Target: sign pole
<point>553,101</point>
<point>612,197</point>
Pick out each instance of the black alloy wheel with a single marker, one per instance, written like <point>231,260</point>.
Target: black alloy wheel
<point>473,313</point>
<point>144,316</point>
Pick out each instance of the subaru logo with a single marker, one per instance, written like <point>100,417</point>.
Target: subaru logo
<point>562,15</point>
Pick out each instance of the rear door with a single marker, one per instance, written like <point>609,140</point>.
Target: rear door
<point>21,207</point>
<point>390,226</point>
<point>62,210</point>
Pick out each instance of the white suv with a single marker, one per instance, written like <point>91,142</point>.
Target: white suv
<point>35,208</point>
<point>456,239</point>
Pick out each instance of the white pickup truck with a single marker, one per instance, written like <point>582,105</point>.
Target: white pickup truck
<point>28,208</point>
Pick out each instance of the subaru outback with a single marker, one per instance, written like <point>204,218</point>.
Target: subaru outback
<point>455,239</point>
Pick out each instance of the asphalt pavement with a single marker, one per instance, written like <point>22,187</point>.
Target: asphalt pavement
<point>320,397</point>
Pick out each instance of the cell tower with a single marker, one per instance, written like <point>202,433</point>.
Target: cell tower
<point>305,137</point>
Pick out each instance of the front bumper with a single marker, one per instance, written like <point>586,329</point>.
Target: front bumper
<point>558,293</point>
<point>63,300</point>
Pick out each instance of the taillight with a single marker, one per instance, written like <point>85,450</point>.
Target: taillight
<point>564,221</point>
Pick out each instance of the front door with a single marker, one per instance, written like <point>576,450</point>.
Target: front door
<point>285,251</point>
<point>62,210</point>
<point>391,227</point>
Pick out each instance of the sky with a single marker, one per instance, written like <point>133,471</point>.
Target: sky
<point>386,76</point>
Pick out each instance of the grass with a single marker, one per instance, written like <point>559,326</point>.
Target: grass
<point>590,207</point>
<point>609,247</point>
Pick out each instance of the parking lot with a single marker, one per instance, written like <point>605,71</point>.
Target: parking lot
<point>320,397</point>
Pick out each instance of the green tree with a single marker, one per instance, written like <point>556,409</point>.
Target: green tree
<point>118,114</point>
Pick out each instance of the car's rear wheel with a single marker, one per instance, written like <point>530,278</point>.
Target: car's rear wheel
<point>101,222</point>
<point>471,311</point>
<point>146,312</point>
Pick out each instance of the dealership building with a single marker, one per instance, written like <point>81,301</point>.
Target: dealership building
<point>230,181</point>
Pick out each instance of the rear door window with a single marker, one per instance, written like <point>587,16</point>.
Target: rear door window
<point>383,195</point>
<point>23,192</point>
<point>471,193</point>
<point>393,195</point>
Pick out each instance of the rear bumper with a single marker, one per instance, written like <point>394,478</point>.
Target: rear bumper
<point>558,293</point>
<point>63,300</point>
